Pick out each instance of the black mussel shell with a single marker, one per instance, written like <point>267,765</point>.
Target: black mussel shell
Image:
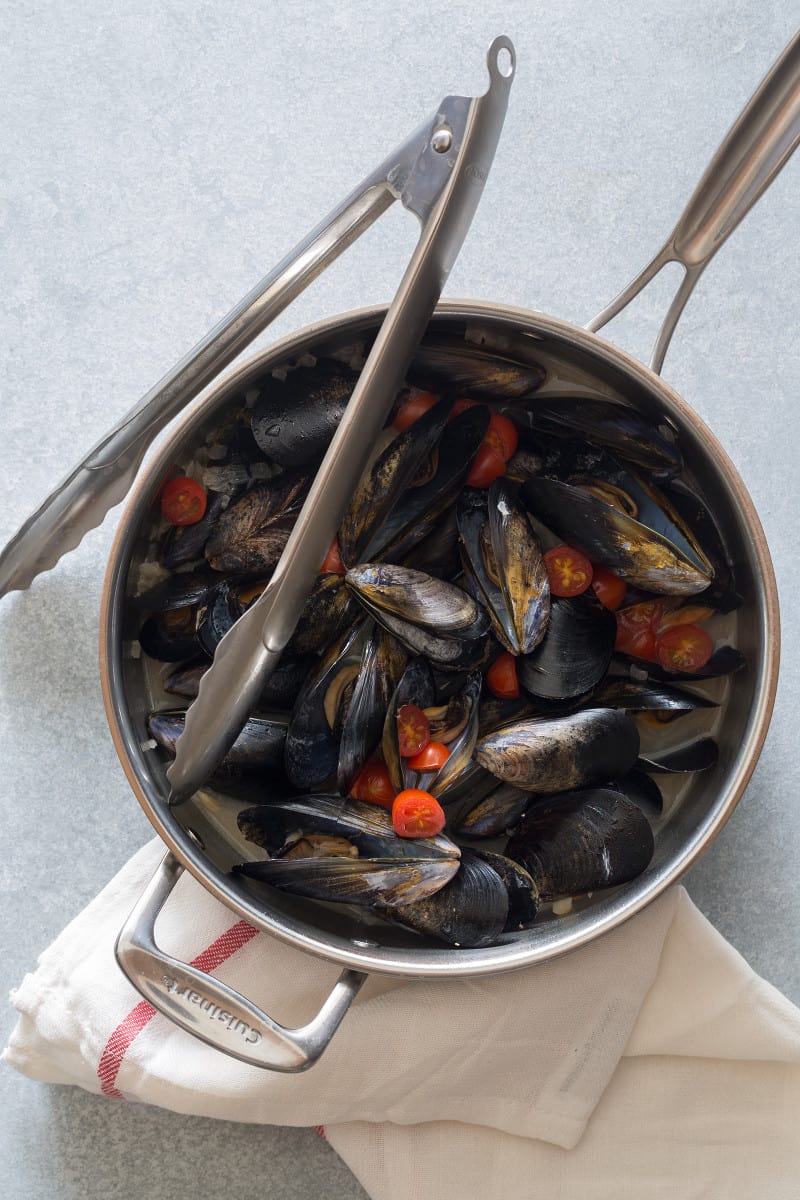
<point>419,509</point>
<point>463,368</point>
<point>381,485</point>
<point>649,696</point>
<point>432,605</point>
<point>367,827</point>
<point>327,612</point>
<point>250,535</point>
<point>643,790</point>
<point>494,713</point>
<point>495,814</point>
<point>184,680</point>
<point>520,565</point>
<point>523,895</point>
<point>582,841</point>
<point>556,754</point>
<point>437,554</point>
<point>315,727</point>
<point>603,423</point>
<point>382,663</point>
<point>470,911</point>
<point>345,880</point>
<point>575,652</point>
<point>637,552</point>
<point>414,687</point>
<point>294,419</point>
<point>185,543</point>
<point>279,692</point>
<point>181,590</point>
<point>170,636</point>
<point>698,755</point>
<point>260,744</point>
<point>725,660</point>
<point>223,608</point>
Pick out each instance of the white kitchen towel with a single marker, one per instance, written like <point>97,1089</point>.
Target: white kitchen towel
<point>652,1063</point>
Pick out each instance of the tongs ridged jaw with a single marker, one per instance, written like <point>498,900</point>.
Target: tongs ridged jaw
<point>415,173</point>
<point>442,184</point>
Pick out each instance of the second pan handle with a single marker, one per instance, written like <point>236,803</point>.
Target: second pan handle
<point>761,141</point>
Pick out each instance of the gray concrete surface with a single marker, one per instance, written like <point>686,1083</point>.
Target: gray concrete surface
<point>156,159</point>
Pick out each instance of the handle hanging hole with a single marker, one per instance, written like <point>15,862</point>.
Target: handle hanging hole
<point>505,62</point>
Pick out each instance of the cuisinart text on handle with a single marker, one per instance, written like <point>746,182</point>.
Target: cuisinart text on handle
<point>212,1010</point>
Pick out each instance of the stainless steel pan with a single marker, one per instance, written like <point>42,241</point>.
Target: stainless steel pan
<point>201,835</point>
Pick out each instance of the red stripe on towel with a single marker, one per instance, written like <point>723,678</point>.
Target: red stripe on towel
<point>320,1129</point>
<point>131,1026</point>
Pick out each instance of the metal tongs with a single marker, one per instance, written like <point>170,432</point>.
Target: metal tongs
<point>438,173</point>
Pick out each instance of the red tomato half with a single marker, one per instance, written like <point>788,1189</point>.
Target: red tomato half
<point>373,784</point>
<point>684,648</point>
<point>183,501</point>
<point>568,571</point>
<point>608,587</point>
<point>413,730</point>
<point>487,466</point>
<point>417,814</point>
<point>501,678</point>
<point>333,559</point>
<point>459,407</point>
<point>636,628</point>
<point>502,435</point>
<point>413,409</point>
<point>430,758</point>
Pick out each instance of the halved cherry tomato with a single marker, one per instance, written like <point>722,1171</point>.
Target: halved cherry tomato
<point>568,571</point>
<point>413,409</point>
<point>636,640</point>
<point>413,730</point>
<point>430,758</point>
<point>684,648</point>
<point>608,587</point>
<point>333,559</point>
<point>637,626</point>
<point>487,466</point>
<point>183,501</point>
<point>502,435</point>
<point>417,814</point>
<point>373,784</point>
<point>501,678</point>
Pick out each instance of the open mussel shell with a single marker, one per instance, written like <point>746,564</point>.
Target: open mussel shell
<point>698,755</point>
<point>461,746</point>
<point>503,565</point>
<point>495,814</point>
<point>366,827</point>
<point>315,727</point>
<point>433,605</point>
<point>414,687</point>
<point>582,841</point>
<point>260,743</point>
<point>369,881</point>
<point>602,423</point>
<point>470,911</point>
<point>575,652</point>
<point>382,664</point>
<point>649,696</point>
<point>556,754</point>
<point>250,535</point>
<point>418,511</point>
<point>520,565</point>
<point>382,484</point>
<point>725,660</point>
<point>295,418</point>
<point>463,368</point>
<point>637,552</point>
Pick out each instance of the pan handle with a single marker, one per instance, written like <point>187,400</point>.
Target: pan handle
<point>208,1008</point>
<point>759,144</point>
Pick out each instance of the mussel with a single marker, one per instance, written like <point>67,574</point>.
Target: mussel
<point>557,754</point>
<point>582,841</point>
<point>295,418</point>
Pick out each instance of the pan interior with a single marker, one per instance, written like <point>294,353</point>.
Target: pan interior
<point>203,832</point>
